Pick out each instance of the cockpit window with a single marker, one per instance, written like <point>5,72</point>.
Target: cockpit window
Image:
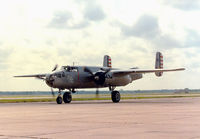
<point>71,69</point>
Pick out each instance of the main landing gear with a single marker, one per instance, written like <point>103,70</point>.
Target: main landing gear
<point>115,95</point>
<point>67,98</point>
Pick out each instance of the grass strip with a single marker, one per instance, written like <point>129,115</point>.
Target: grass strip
<point>87,99</point>
<point>26,100</point>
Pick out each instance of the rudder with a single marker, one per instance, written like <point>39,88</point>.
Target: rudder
<point>107,61</point>
<point>159,63</point>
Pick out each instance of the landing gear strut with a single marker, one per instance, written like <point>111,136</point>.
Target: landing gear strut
<point>73,90</point>
<point>67,97</point>
<point>115,95</point>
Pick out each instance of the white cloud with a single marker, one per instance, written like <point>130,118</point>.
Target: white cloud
<point>146,27</point>
<point>184,4</point>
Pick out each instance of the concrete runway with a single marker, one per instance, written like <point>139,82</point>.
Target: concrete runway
<point>144,118</point>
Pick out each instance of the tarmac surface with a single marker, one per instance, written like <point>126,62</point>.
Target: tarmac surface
<point>143,118</point>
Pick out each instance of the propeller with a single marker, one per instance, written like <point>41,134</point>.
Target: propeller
<point>97,93</point>
<point>86,69</point>
<point>55,67</point>
<point>49,80</point>
<point>52,92</point>
<point>99,77</point>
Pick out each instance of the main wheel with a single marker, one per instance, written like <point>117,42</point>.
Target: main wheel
<point>67,97</point>
<point>115,95</point>
<point>59,100</point>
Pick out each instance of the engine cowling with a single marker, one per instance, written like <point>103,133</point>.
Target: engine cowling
<point>99,78</point>
<point>49,80</point>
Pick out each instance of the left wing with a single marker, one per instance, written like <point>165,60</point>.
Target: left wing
<point>143,71</point>
<point>40,76</point>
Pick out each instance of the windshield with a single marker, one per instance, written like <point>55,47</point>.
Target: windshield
<point>71,69</point>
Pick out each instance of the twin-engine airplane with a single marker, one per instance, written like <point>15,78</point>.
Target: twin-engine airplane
<point>74,77</point>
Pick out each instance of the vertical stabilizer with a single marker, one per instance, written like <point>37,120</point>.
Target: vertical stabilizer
<point>159,63</point>
<point>107,61</point>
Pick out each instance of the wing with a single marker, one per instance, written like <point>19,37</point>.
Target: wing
<point>40,76</point>
<point>143,71</point>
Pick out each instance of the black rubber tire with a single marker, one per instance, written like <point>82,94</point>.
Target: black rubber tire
<point>67,97</point>
<point>115,95</point>
<point>59,100</point>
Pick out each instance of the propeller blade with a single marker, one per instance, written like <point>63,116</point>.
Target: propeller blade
<point>55,67</point>
<point>86,69</point>
<point>107,71</point>
<point>98,77</point>
<point>97,93</point>
<point>52,92</point>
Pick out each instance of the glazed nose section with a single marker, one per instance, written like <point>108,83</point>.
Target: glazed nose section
<point>49,80</point>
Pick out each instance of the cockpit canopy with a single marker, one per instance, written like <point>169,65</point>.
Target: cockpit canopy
<point>70,68</point>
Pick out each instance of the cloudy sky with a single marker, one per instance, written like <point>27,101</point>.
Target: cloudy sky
<point>35,35</point>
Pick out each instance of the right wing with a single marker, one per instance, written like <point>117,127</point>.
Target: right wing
<point>136,71</point>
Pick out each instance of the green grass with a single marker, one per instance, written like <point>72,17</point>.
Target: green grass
<point>26,100</point>
<point>11,99</point>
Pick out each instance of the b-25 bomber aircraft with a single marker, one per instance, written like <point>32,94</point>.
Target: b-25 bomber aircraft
<point>76,77</point>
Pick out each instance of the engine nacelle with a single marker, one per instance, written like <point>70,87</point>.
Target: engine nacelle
<point>49,80</point>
